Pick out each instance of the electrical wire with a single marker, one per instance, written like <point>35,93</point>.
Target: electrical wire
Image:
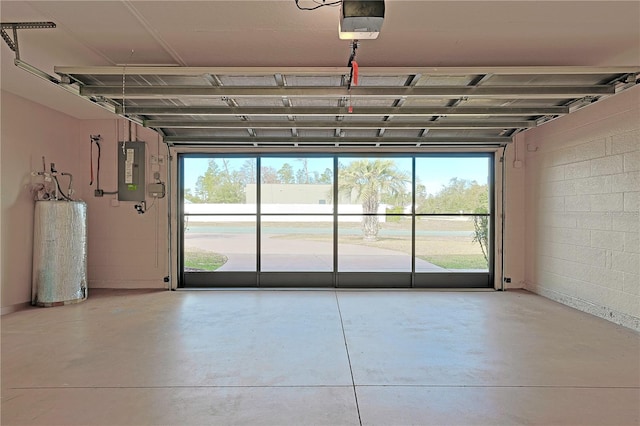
<point>98,167</point>
<point>319,4</point>
<point>91,160</point>
<point>96,140</point>
<point>60,189</point>
<point>70,188</point>
<point>152,203</point>
<point>124,106</point>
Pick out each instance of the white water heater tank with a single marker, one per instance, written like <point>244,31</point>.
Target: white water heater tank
<point>59,253</point>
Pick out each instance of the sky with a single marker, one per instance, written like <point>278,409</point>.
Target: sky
<point>433,172</point>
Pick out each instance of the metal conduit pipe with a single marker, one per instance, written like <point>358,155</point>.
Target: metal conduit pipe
<point>502,222</point>
<point>169,218</point>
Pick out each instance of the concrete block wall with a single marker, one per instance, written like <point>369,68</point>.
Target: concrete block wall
<point>582,188</point>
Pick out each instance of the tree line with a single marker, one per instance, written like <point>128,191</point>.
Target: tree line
<point>222,184</point>
<point>365,181</point>
<point>369,182</point>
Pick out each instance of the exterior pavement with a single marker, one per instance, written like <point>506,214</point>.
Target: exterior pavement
<point>279,254</point>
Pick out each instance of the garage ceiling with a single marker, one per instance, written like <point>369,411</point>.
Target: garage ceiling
<point>263,73</point>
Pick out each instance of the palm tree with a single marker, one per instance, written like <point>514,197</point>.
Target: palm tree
<point>371,182</point>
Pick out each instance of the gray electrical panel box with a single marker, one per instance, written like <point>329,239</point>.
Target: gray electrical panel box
<point>131,182</point>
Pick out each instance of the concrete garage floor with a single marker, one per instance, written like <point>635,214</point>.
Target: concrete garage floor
<point>269,357</point>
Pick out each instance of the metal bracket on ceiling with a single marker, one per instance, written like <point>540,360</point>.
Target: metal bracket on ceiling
<point>65,82</point>
<point>624,81</point>
<point>628,81</point>
<point>15,26</point>
<point>14,46</point>
<point>582,102</point>
<point>545,119</point>
<point>167,143</point>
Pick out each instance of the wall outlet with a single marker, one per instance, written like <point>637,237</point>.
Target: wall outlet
<point>507,280</point>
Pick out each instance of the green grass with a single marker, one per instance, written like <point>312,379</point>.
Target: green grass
<point>203,260</point>
<point>457,261</point>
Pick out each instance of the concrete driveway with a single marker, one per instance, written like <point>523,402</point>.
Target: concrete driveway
<point>280,254</point>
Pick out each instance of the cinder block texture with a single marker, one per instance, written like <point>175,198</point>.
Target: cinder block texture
<point>583,202</point>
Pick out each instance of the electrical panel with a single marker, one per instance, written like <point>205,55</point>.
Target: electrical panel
<point>131,171</point>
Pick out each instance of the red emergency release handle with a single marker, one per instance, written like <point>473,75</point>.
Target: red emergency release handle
<point>354,65</point>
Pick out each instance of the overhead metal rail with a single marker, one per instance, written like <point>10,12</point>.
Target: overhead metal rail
<point>330,71</point>
<point>417,107</point>
<point>360,111</point>
<point>337,141</point>
<point>280,107</point>
<point>455,125</point>
<point>494,92</point>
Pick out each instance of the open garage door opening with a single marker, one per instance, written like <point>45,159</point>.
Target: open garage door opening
<point>337,220</point>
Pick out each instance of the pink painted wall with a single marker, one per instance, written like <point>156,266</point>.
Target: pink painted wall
<point>582,202</point>
<point>29,131</point>
<point>126,250</point>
